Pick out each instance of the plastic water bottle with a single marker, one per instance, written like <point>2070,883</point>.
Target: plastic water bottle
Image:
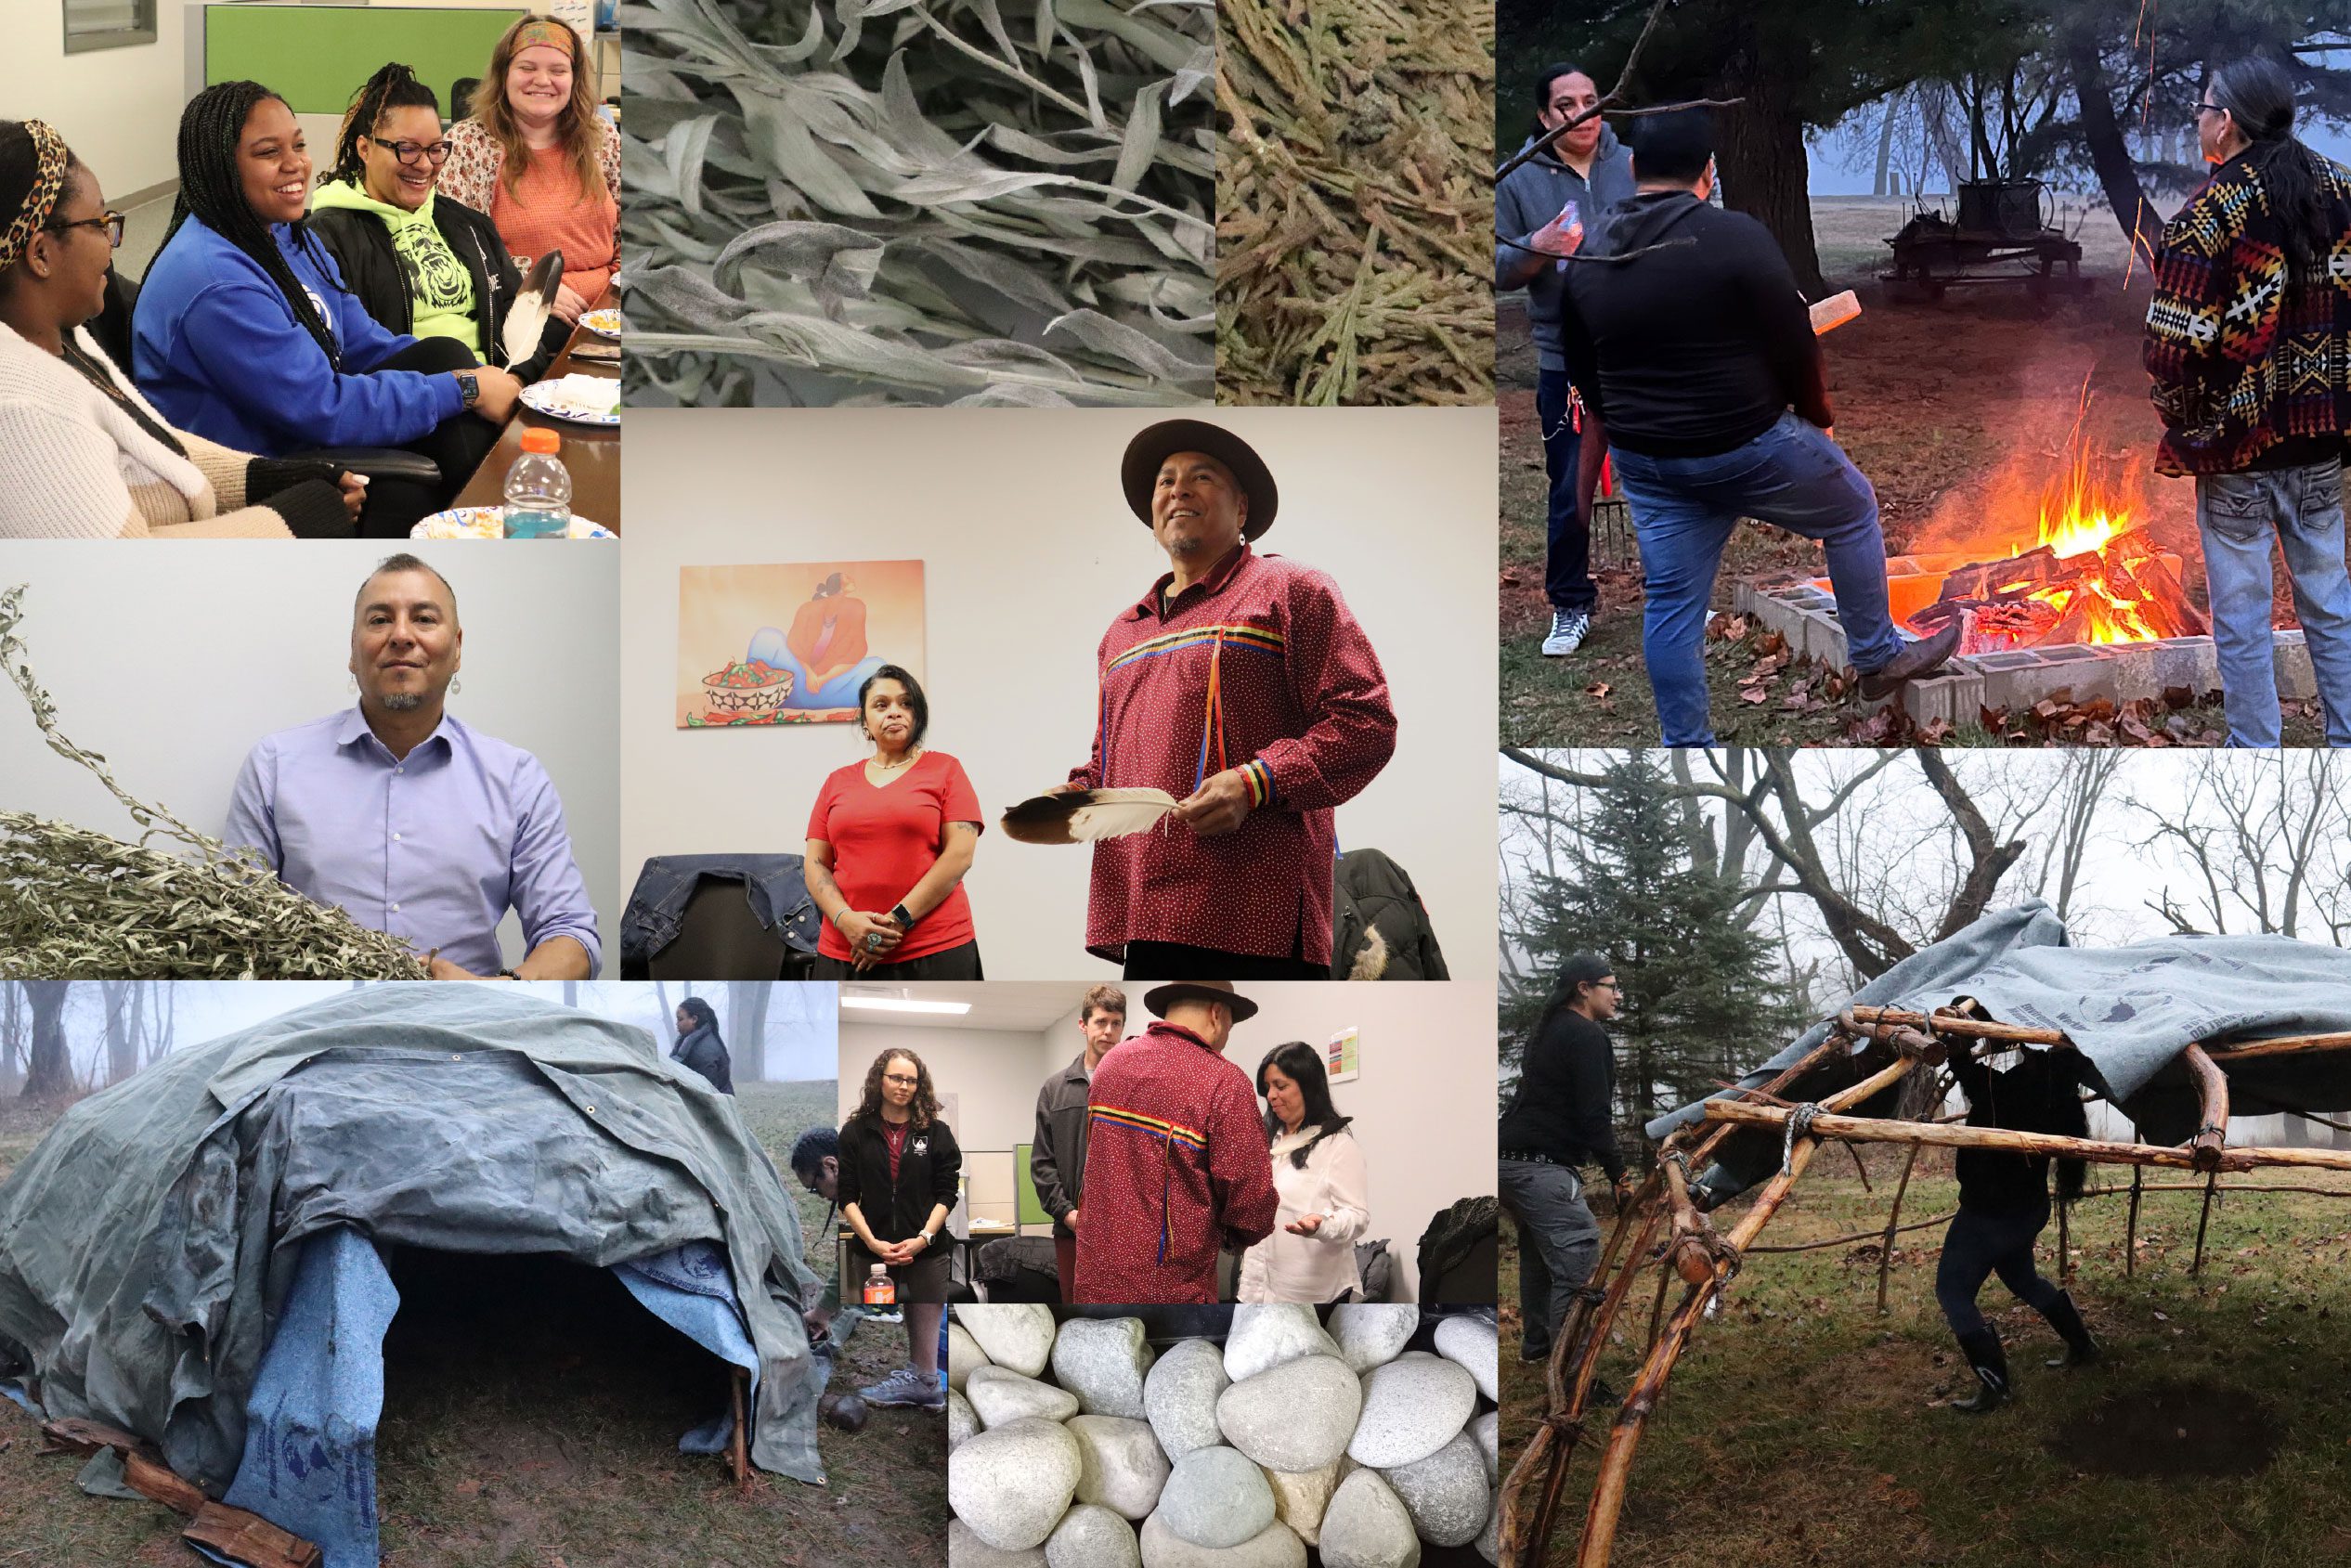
<point>538,489</point>
<point>880,1290</point>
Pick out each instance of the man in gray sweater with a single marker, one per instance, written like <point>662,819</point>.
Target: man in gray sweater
<point>1590,168</point>
<point>1057,1160</point>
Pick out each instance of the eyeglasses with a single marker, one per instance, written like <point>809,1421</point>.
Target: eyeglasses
<point>112,223</point>
<point>898,1078</point>
<point>409,151</point>
<point>2204,108</point>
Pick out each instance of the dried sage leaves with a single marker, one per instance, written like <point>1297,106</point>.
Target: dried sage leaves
<point>928,201</point>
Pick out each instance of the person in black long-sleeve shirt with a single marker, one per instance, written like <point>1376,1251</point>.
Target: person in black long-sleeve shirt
<point>1560,1117</point>
<point>2004,1205</point>
<point>1716,404</point>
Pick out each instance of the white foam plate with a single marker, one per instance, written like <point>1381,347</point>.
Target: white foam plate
<point>490,523</point>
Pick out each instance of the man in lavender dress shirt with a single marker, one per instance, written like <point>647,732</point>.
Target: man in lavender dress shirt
<point>411,821</point>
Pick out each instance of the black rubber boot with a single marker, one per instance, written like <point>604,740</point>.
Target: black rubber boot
<point>1990,1365</point>
<point>2066,1318</point>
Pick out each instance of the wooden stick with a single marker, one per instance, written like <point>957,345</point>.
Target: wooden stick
<point>1616,1465</point>
<point>1893,1225</point>
<point>1855,1236</point>
<point>1569,1335</point>
<point>1834,1043</point>
<point>1948,1022</point>
<point>1860,1168</point>
<point>2213,1086</point>
<point>2234,1187</point>
<point>2202,1216</point>
<point>2065,1248</point>
<point>1872,1130</point>
<point>2289,1045</point>
<point>742,1444</point>
<point>2130,1237</point>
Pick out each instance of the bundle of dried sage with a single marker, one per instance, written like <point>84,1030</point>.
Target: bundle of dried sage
<point>971,202</point>
<point>1354,214</point>
<point>76,904</point>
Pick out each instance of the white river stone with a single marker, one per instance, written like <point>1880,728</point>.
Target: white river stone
<point>1179,1397</point>
<point>1014,1334</point>
<point>1470,1341</point>
<point>967,1551</point>
<point>1300,1496</point>
<point>1367,1526</point>
<point>963,1354</point>
<point>1120,1465</point>
<point>1297,1416</point>
<point>1277,1546</point>
<point>1103,1361</point>
<point>1446,1494</point>
<point>1373,1333</point>
<point>1266,1334</point>
<point>1215,1498</point>
<point>998,1396</point>
<point>1412,1407</point>
<point>1012,1483</point>
<point>962,1420</point>
<point>1092,1538</point>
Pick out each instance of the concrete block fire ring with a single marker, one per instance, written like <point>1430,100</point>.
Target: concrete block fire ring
<point>2019,677</point>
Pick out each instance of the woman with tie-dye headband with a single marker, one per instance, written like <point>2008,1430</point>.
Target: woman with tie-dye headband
<point>538,159</point>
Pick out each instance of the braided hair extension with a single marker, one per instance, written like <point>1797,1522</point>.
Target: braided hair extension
<point>395,86</point>
<point>212,189</point>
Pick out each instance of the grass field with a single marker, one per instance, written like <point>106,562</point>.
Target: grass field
<point>1801,1428</point>
<point>531,1422</point>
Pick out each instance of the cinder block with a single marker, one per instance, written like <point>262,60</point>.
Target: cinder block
<point>2297,681</point>
<point>1955,695</point>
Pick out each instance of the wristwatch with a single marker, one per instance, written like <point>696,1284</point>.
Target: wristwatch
<point>905,917</point>
<point>469,386</point>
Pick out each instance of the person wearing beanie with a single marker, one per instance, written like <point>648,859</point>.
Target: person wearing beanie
<point>82,454</point>
<point>1561,1117</point>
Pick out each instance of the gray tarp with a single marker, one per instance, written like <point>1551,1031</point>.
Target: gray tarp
<point>2130,1010</point>
<point>147,1243</point>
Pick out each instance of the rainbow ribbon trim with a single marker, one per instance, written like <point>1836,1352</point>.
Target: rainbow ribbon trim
<point>1263,639</point>
<point>1166,1131</point>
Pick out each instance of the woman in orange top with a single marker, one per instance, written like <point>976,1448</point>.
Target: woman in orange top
<point>540,159</point>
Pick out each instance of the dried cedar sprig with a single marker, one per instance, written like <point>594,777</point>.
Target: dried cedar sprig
<point>78,904</point>
<point>976,202</point>
<point>1353,209</point>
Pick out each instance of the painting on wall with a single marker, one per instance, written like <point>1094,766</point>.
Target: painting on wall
<point>790,644</point>
<point>1342,1059</point>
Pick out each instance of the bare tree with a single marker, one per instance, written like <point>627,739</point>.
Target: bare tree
<point>2267,840</point>
<point>13,1030</point>
<point>121,1057</point>
<point>746,1027</point>
<point>50,1070</point>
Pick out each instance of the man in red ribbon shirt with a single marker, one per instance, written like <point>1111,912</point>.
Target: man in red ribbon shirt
<point>1176,1166</point>
<point>1241,685</point>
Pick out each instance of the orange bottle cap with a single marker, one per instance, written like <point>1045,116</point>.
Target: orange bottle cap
<point>539,440</point>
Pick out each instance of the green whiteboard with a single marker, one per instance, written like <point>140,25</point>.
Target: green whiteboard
<point>1032,1213</point>
<point>317,57</point>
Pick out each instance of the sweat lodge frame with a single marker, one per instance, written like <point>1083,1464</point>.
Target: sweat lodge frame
<point>1705,1259</point>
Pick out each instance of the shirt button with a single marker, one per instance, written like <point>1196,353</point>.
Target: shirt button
<point>396,909</point>
<point>395,838</point>
<point>400,769</point>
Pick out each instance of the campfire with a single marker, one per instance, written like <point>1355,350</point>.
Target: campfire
<point>2092,574</point>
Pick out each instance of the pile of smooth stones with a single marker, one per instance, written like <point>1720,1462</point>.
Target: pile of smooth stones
<point>1074,1446</point>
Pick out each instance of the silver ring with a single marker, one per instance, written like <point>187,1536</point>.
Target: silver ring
<point>873,941</point>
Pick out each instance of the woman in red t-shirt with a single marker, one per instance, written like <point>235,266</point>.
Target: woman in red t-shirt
<point>887,845</point>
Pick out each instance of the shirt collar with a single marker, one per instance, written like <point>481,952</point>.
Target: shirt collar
<point>355,728</point>
<point>1209,586</point>
<point>1161,1027</point>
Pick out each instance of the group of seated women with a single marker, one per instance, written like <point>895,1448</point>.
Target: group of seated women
<point>298,342</point>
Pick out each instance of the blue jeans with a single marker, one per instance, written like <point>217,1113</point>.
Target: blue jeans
<point>1684,510</point>
<point>1567,534</point>
<point>2236,514</point>
<point>1558,1246</point>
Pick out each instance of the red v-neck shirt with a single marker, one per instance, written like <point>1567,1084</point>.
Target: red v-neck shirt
<point>886,838</point>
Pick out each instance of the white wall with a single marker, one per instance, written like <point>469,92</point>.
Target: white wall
<point>990,1072</point>
<point>1422,1104</point>
<point>1030,551</point>
<point>171,659</point>
<point>118,109</point>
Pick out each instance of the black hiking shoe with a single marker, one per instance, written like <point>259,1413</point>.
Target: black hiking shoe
<point>1916,659</point>
<point>1989,1364</point>
<point>2066,1318</point>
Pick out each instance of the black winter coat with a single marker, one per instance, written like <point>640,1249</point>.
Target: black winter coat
<point>703,1053</point>
<point>926,1172</point>
<point>362,248</point>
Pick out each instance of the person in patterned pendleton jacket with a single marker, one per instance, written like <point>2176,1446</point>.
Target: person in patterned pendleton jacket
<point>1241,685</point>
<point>1176,1165</point>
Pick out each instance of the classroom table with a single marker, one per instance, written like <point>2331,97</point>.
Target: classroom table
<point>591,452</point>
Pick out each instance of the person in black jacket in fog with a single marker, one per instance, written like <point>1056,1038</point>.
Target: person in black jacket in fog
<point>2004,1205</point>
<point>1716,404</point>
<point>1560,1117</point>
<point>898,1165</point>
<point>420,262</point>
<point>699,1046</point>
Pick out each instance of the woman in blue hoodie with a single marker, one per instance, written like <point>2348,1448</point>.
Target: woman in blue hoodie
<point>245,334</point>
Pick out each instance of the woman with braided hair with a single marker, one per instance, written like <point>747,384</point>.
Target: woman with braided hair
<point>419,260</point>
<point>245,333</point>
<point>82,454</point>
<point>538,158</point>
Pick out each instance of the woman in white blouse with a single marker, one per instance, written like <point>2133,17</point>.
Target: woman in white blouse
<point>1317,1172</point>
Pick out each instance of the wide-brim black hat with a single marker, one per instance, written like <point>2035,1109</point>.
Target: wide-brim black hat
<point>1158,999</point>
<point>1138,471</point>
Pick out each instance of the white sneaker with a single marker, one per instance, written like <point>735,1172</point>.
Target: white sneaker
<point>1568,629</point>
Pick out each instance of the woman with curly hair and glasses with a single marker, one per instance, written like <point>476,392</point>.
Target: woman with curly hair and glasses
<point>898,1165</point>
<point>538,158</point>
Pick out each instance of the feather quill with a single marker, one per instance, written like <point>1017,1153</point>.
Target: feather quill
<point>526,319</point>
<point>1078,816</point>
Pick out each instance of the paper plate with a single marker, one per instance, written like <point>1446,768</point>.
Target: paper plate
<point>541,396</point>
<point>605,323</point>
<point>490,523</point>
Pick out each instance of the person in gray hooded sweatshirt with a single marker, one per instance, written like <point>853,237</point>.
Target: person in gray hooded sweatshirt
<point>1590,167</point>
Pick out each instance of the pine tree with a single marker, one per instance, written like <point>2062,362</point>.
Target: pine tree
<point>1702,999</point>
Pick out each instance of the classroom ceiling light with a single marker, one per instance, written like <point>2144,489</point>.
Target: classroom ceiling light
<point>899,1002</point>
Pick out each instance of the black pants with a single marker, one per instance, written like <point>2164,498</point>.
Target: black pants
<point>1570,462</point>
<point>1180,961</point>
<point>1980,1244</point>
<point>947,964</point>
<point>458,443</point>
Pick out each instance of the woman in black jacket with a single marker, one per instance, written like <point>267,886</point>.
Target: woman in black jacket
<point>419,262</point>
<point>899,1164</point>
<point>699,1046</point>
<point>2004,1205</point>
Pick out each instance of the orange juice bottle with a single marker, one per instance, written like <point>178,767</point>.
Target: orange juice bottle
<point>880,1290</point>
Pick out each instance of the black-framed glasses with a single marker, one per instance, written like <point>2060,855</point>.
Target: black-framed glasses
<point>2204,108</point>
<point>436,153</point>
<point>113,223</point>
